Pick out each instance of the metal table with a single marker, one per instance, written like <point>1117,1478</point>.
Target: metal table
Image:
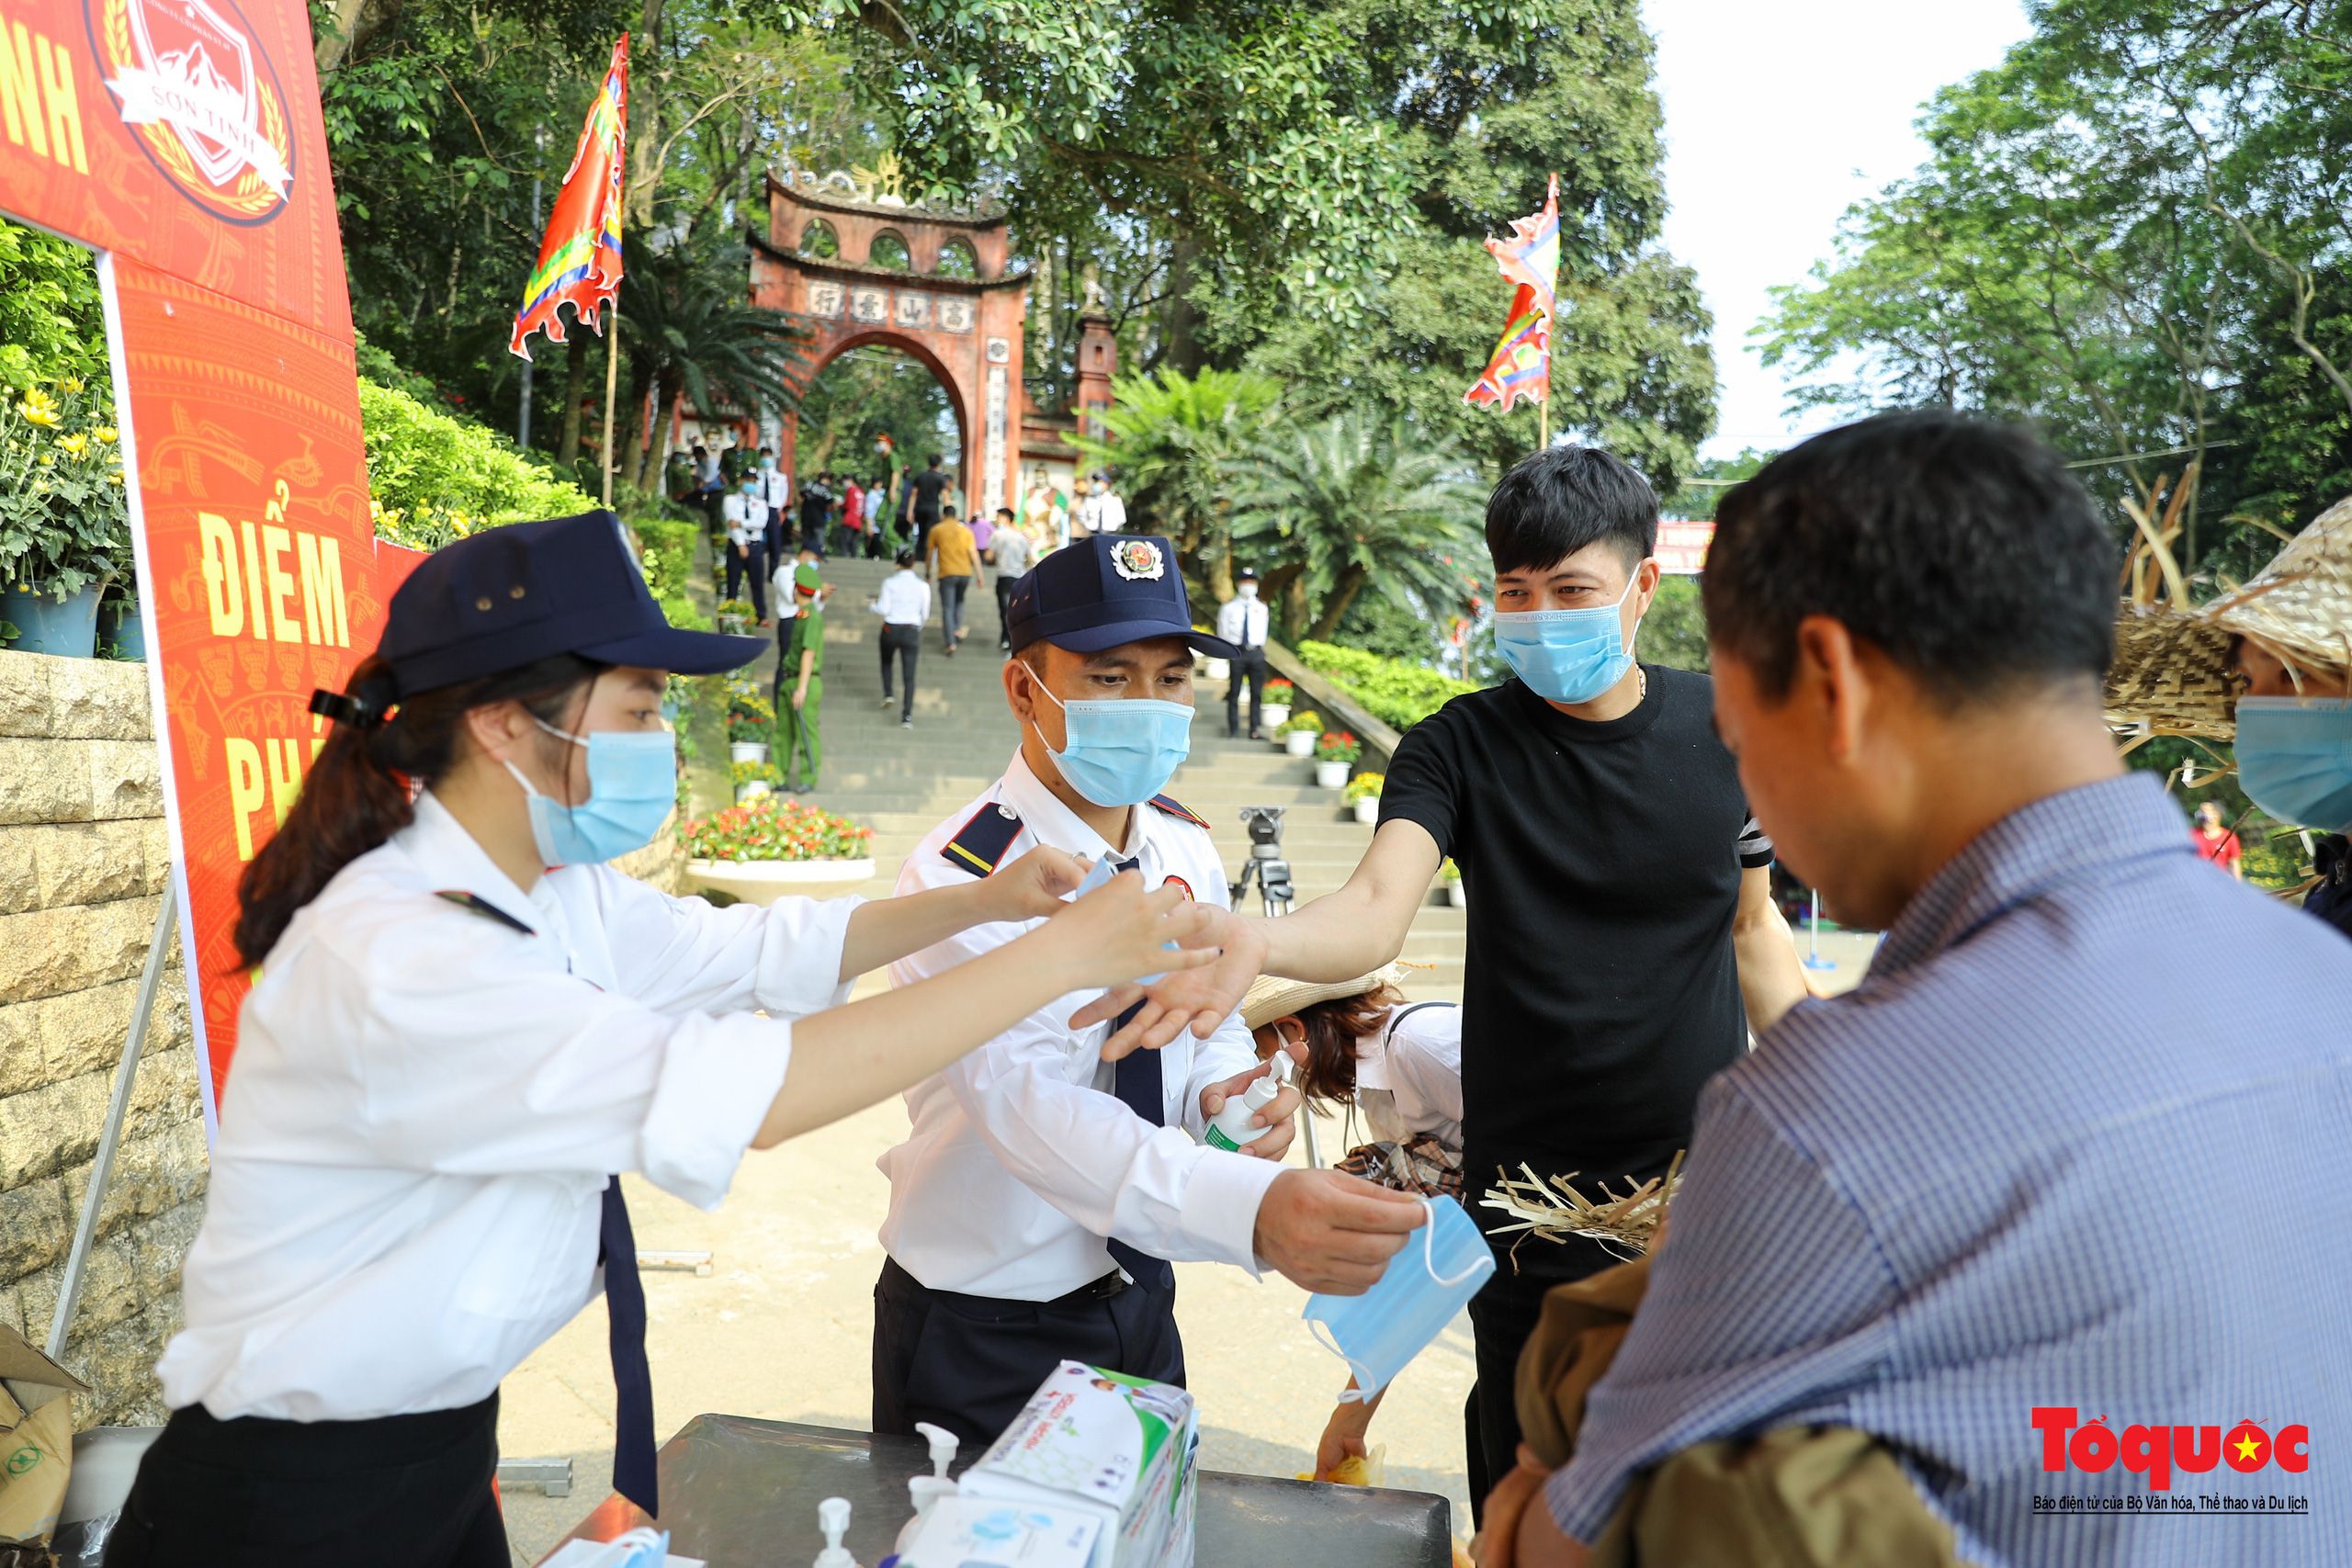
<point>744,1494</point>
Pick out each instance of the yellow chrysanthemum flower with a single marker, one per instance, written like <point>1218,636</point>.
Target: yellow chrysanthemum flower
<point>105,432</point>
<point>76,444</point>
<point>39,407</point>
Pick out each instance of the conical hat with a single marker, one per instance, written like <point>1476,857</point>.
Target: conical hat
<point>1271,996</point>
<point>2172,671</point>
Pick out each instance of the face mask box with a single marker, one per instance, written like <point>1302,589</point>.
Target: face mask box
<point>1103,1444</point>
<point>984,1532</point>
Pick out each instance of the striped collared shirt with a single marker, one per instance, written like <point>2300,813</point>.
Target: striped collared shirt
<point>2081,1142</point>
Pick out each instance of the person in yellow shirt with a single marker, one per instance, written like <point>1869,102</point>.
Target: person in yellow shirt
<point>952,562</point>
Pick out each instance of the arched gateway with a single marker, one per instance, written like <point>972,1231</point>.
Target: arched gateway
<point>949,303</point>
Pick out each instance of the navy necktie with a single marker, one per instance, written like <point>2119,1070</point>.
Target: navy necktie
<point>633,1467</point>
<point>1134,1078</point>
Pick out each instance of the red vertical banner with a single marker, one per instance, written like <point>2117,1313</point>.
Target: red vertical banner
<point>183,141</point>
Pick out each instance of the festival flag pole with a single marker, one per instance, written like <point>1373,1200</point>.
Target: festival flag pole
<point>1520,366</point>
<point>580,259</point>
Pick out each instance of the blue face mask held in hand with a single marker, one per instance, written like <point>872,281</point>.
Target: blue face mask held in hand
<point>2295,759</point>
<point>1567,656</point>
<point>1123,751</point>
<point>632,786</point>
<point>1377,1332</point>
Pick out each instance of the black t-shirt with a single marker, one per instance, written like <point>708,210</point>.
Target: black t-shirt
<point>926,488</point>
<point>816,502</point>
<point>1601,862</point>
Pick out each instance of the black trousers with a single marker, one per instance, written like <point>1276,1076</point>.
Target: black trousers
<point>1502,1315</point>
<point>924,523</point>
<point>395,1492</point>
<point>952,588</point>
<point>1005,608</point>
<point>968,1363</point>
<point>1250,665</point>
<point>754,566</point>
<point>906,642</point>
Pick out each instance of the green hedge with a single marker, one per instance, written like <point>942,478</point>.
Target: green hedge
<point>1391,690</point>
<point>433,478</point>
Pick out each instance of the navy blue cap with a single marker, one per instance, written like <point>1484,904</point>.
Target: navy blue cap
<point>510,596</point>
<point>1102,591</point>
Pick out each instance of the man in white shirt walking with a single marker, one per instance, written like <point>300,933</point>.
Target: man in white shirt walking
<point>1241,621</point>
<point>1042,1192</point>
<point>1110,510</point>
<point>904,604</point>
<point>1013,554</point>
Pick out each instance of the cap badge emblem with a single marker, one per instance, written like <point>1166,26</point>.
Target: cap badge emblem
<point>1139,560</point>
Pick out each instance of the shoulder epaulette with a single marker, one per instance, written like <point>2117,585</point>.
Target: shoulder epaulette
<point>1169,806</point>
<point>980,844</point>
<point>484,907</point>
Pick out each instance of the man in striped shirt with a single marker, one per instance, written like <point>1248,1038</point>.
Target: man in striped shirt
<point>2053,1205</point>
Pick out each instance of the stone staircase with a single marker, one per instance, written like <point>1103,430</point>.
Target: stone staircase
<point>903,782</point>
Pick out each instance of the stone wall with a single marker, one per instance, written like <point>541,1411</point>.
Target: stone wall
<point>83,866</point>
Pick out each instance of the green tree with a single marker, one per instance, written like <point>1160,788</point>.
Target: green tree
<point>1173,439</point>
<point>866,394</point>
<point>1355,501</point>
<point>688,331</point>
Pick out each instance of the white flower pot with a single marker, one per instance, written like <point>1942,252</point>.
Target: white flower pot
<point>747,751</point>
<point>1275,715</point>
<point>746,793</point>
<point>1299,744</point>
<point>1368,809</point>
<point>1220,669</point>
<point>1455,897</point>
<point>763,881</point>
<point>1331,776</point>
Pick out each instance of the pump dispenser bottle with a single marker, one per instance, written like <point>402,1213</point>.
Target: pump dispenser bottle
<point>1231,1128</point>
<point>832,1517</point>
<point>924,1491</point>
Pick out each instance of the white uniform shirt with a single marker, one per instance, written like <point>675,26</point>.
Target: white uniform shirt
<point>746,519</point>
<point>775,491</point>
<point>1021,1160</point>
<point>425,1103</point>
<point>1242,622</point>
<point>1408,1074</point>
<point>905,600</point>
<point>1110,513</point>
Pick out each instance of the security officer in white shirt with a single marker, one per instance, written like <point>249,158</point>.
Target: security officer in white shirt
<point>1241,621</point>
<point>467,1023</point>
<point>1037,1199</point>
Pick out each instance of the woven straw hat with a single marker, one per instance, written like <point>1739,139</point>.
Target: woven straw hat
<point>2173,670</point>
<point>1270,997</point>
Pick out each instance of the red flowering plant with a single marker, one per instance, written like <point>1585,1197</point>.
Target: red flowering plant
<point>1337,746</point>
<point>771,828</point>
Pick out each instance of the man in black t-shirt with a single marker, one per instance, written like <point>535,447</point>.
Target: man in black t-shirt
<point>923,492</point>
<point>1620,919</point>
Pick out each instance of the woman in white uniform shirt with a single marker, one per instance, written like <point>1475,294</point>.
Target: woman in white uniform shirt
<point>465,1024</point>
<point>1359,1043</point>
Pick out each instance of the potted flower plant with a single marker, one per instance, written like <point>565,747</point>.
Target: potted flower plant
<point>65,520</point>
<point>751,722</point>
<point>767,847</point>
<point>735,615</point>
<point>1449,876</point>
<point>752,780</point>
<point>1275,701</point>
<point>1212,668</point>
<point>1363,794</point>
<point>1299,735</point>
<point>1336,752</point>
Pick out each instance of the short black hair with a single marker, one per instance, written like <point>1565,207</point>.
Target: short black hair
<point>1555,503</point>
<point>1961,547</point>
<point>905,556</point>
<point>1004,512</point>
<point>931,461</point>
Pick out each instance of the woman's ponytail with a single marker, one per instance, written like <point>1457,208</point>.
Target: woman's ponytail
<point>360,789</point>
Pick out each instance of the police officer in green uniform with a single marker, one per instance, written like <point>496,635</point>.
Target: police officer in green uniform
<point>800,660</point>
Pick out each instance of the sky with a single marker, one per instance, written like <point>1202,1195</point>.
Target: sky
<point>1779,116</point>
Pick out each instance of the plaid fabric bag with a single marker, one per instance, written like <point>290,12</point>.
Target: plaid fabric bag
<point>1422,1166</point>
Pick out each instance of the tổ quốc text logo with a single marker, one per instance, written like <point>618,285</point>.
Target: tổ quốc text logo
<point>2156,1451</point>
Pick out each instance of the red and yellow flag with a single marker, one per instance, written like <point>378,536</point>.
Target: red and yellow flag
<point>1520,366</point>
<point>580,261</point>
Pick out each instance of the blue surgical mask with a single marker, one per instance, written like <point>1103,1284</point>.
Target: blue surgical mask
<point>1377,1332</point>
<point>632,786</point>
<point>1566,656</point>
<point>2295,759</point>
<point>1123,751</point>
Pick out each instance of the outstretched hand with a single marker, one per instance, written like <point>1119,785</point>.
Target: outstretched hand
<point>1201,996</point>
<point>1033,888</point>
<point>1119,933</point>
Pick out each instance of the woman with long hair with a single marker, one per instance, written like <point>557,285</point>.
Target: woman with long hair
<point>464,1024</point>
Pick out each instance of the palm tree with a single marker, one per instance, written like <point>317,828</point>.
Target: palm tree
<point>689,329</point>
<point>1171,440</point>
<point>1328,510</point>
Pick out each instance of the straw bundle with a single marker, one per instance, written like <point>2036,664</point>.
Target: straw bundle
<point>2300,606</point>
<point>1556,1211</point>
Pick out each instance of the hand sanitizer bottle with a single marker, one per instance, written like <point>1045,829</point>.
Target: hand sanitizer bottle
<point>1231,1128</point>
<point>832,1517</point>
<point>924,1491</point>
